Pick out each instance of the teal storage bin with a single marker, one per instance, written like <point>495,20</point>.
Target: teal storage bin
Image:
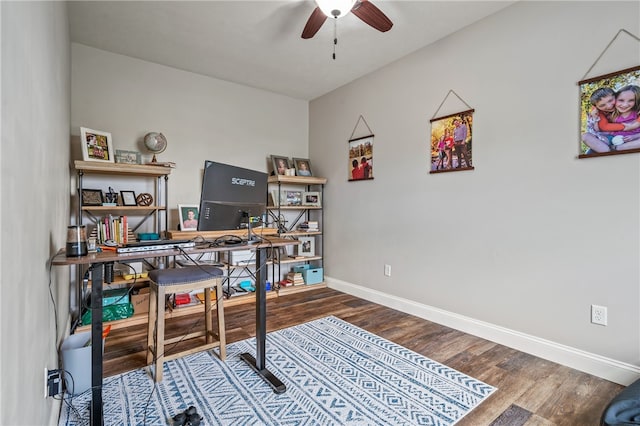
<point>301,268</point>
<point>313,276</point>
<point>115,297</point>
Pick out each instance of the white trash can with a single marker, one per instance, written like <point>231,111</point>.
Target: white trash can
<point>76,361</point>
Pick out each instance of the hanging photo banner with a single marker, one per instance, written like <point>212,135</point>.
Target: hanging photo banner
<point>360,166</point>
<point>361,158</point>
<point>610,109</point>
<point>451,142</point>
<point>609,114</point>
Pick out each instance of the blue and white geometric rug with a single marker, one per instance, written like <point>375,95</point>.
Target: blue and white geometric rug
<point>335,374</point>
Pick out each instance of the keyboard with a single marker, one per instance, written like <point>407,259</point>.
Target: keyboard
<point>154,245</point>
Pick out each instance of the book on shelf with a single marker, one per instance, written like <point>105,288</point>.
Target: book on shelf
<point>162,164</point>
<point>295,277</point>
<point>115,228</point>
<point>308,226</point>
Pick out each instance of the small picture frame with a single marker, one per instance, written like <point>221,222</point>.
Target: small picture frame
<point>188,214</point>
<point>280,165</point>
<point>128,157</point>
<point>311,199</point>
<point>307,246</point>
<point>303,166</point>
<point>96,145</point>
<point>291,198</point>
<point>128,198</point>
<point>92,197</point>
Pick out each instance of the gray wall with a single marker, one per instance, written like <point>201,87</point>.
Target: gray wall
<point>35,203</point>
<point>533,236</point>
<point>201,117</point>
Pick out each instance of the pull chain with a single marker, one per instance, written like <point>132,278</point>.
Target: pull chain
<point>335,36</point>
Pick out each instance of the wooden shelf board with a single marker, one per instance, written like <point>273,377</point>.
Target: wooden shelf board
<point>299,233</point>
<point>124,209</point>
<point>305,259</point>
<point>294,208</point>
<point>297,180</point>
<point>283,291</point>
<point>212,235</point>
<point>121,168</point>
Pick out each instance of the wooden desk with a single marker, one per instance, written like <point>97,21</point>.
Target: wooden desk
<point>98,261</point>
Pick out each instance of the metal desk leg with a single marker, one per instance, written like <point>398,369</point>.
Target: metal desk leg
<point>259,364</point>
<point>96,345</point>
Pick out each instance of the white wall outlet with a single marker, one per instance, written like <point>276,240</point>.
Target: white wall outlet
<point>387,270</point>
<point>599,314</point>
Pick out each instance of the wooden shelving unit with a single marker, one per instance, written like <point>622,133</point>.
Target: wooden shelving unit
<point>305,212</point>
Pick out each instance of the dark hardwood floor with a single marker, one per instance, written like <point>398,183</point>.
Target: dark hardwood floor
<point>531,390</point>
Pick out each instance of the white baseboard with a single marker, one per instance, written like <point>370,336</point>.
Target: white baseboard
<point>606,368</point>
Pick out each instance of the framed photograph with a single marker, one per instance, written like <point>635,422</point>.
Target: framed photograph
<point>189,214</point>
<point>291,198</point>
<point>280,165</point>
<point>92,197</point>
<point>128,198</point>
<point>311,199</point>
<point>303,166</point>
<point>451,142</point>
<point>609,122</point>
<point>307,246</point>
<point>361,158</point>
<point>128,157</point>
<point>96,145</point>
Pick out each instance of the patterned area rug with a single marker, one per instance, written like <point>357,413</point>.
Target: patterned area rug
<point>335,373</point>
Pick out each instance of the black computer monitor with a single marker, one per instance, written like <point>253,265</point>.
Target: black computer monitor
<point>230,197</point>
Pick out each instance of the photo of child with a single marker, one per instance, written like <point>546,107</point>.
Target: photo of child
<point>610,113</point>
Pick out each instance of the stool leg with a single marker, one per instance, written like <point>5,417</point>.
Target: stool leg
<point>208,325</point>
<point>152,323</point>
<point>160,302</point>
<point>220,316</point>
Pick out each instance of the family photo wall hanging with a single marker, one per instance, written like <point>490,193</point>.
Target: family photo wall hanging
<point>450,146</point>
<point>610,111</point>
<point>360,165</point>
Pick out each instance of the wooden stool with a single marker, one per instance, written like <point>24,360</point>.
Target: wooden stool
<point>183,280</point>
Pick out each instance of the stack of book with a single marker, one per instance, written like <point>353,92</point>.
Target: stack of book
<point>308,226</point>
<point>295,277</point>
<point>113,228</point>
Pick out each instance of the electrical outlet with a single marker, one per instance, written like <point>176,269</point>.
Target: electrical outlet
<point>599,314</point>
<point>387,270</point>
<point>52,382</point>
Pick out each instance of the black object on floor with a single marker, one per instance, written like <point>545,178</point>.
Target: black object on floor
<point>189,417</point>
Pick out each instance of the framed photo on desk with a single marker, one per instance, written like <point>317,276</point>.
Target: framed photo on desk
<point>189,215</point>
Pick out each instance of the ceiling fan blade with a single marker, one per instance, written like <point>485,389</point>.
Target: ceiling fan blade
<point>314,23</point>
<point>371,15</point>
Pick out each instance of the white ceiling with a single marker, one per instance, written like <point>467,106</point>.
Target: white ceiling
<point>258,43</point>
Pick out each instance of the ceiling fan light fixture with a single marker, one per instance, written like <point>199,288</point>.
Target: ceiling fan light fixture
<point>335,8</point>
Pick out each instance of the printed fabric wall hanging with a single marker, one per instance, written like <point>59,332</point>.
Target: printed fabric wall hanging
<point>360,166</point>
<point>450,148</point>
<point>610,111</point>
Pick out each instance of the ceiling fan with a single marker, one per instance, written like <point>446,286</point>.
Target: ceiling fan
<point>363,9</point>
